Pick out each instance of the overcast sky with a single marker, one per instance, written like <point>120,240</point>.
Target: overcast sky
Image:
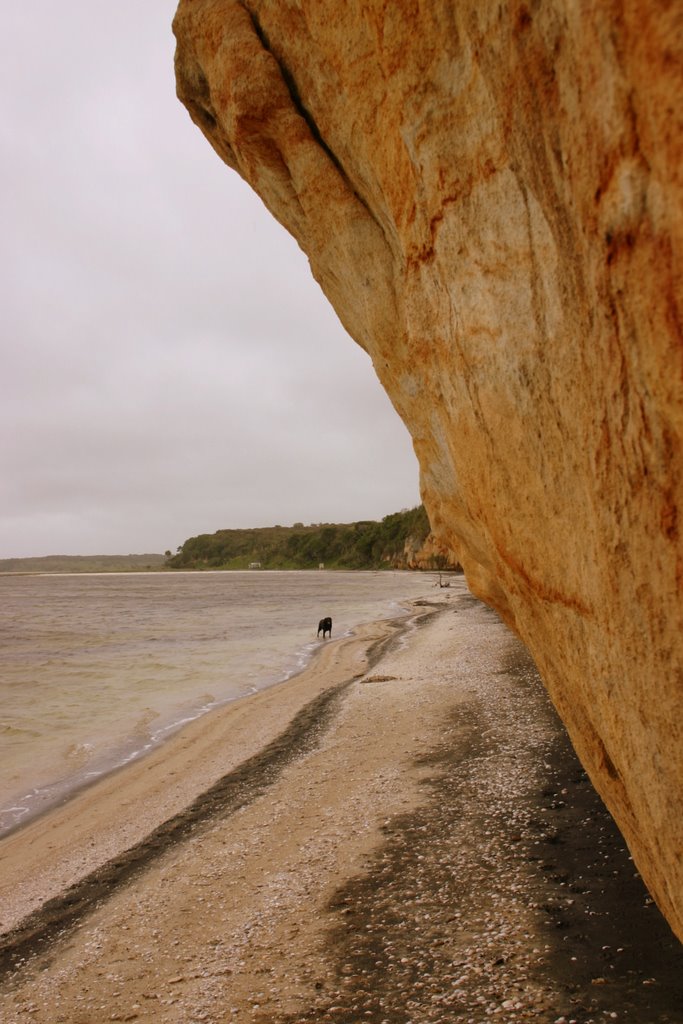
<point>169,366</point>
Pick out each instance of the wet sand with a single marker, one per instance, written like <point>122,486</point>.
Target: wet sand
<point>402,833</point>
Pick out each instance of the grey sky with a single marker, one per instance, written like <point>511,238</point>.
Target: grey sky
<point>169,366</point>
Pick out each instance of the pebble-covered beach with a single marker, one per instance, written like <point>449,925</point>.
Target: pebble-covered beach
<point>404,836</point>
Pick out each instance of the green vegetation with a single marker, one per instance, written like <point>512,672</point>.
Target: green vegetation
<point>363,545</point>
<point>392,543</point>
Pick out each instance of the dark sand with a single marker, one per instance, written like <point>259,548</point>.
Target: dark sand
<point>428,932</point>
<point>414,842</point>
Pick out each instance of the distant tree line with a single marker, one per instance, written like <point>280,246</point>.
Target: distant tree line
<point>84,563</point>
<point>364,545</point>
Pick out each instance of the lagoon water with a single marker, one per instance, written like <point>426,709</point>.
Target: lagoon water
<point>97,669</point>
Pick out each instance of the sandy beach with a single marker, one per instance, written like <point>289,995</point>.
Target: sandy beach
<point>399,834</point>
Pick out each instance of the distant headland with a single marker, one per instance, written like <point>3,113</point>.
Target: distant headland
<point>83,563</point>
<point>402,540</point>
<point>399,541</point>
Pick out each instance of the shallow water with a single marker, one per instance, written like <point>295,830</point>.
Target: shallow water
<point>97,669</point>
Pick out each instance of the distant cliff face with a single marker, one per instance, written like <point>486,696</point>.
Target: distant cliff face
<point>490,196</point>
<point>428,554</point>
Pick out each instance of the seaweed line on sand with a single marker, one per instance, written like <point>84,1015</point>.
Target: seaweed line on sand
<point>33,935</point>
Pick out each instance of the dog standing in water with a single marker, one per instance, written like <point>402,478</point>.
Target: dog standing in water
<point>325,626</point>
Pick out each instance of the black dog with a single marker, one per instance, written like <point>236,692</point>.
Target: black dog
<point>325,626</point>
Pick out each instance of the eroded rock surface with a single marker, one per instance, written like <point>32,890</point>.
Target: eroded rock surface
<point>490,196</point>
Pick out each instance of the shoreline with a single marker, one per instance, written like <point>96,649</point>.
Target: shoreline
<point>427,850</point>
<point>197,756</point>
<point>65,789</point>
<point>48,765</point>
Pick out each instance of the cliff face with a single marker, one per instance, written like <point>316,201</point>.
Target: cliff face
<point>428,555</point>
<point>490,196</point>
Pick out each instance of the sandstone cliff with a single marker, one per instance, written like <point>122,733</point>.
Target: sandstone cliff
<point>428,555</point>
<point>489,194</point>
